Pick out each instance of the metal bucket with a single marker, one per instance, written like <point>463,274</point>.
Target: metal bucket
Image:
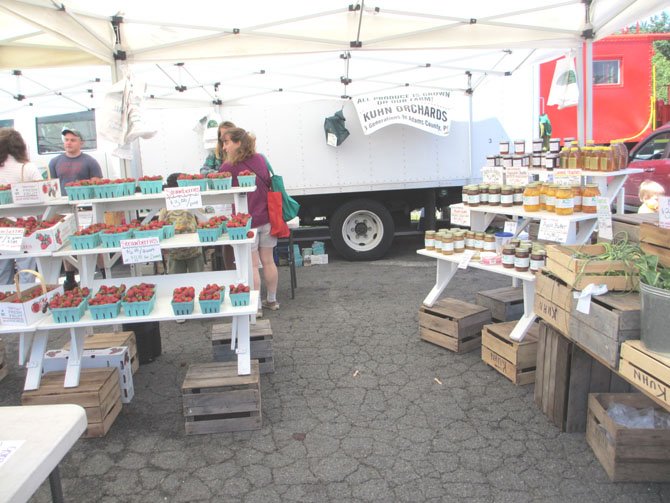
<point>655,332</point>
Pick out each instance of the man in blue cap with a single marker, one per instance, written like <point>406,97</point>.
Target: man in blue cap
<point>73,164</point>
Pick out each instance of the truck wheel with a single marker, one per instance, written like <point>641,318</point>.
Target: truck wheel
<point>362,230</point>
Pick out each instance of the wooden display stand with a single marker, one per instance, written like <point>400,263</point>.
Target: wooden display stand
<point>506,304</point>
<point>216,399</point>
<point>453,324</point>
<point>3,361</point>
<point>646,370</point>
<point>98,393</point>
<point>111,340</point>
<point>627,454</point>
<point>515,360</point>
<point>261,344</point>
<point>564,377</point>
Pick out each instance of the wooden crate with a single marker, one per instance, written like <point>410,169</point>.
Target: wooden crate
<point>506,304</point>
<point>627,454</point>
<point>513,359</point>
<point>112,340</point>
<point>564,377</point>
<point>453,324</point>
<point>4,370</point>
<point>647,370</point>
<point>656,241</point>
<point>260,342</point>
<point>629,223</point>
<point>216,399</point>
<point>580,272</point>
<point>98,392</point>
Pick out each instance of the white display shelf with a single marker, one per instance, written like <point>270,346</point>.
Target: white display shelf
<point>518,211</point>
<point>595,174</point>
<point>34,254</point>
<point>497,269</point>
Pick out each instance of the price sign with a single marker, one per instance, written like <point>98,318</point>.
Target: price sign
<point>552,229</point>
<point>139,251</point>
<point>510,226</point>
<point>492,174</point>
<point>664,212</point>
<point>460,215</point>
<point>604,218</point>
<point>11,238</point>
<point>7,448</point>
<point>465,259</point>
<point>567,176</point>
<point>516,176</point>
<point>183,198</point>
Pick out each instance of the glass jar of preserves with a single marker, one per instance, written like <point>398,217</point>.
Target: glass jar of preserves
<point>517,161</point>
<point>466,195</point>
<point>483,194</point>
<point>489,243</point>
<point>438,242</point>
<point>503,147</point>
<point>506,196</point>
<point>473,195</point>
<point>554,145</point>
<point>522,259</point>
<point>508,255</point>
<point>494,195</point>
<point>469,240</point>
<point>506,161</point>
<point>515,242</point>
<point>551,162</point>
<point>459,242</point>
<point>537,260</point>
<point>531,198</point>
<point>577,198</point>
<point>589,195</point>
<point>537,145</point>
<point>518,195</point>
<point>565,204</point>
<point>429,240</point>
<point>537,160</point>
<point>550,198</point>
<point>519,147</point>
<point>479,241</point>
<point>543,195</point>
<point>447,243</point>
<point>490,161</point>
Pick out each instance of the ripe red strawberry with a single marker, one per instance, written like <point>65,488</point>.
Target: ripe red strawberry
<point>250,234</point>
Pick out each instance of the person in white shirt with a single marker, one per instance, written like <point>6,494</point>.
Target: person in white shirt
<point>15,166</point>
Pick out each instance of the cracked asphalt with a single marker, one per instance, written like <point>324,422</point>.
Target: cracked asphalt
<point>353,411</point>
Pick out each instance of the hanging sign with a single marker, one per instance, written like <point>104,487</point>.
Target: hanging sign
<point>139,251</point>
<point>664,212</point>
<point>568,176</point>
<point>492,174</point>
<point>553,229</point>
<point>183,198</point>
<point>604,218</point>
<point>428,110</point>
<point>516,176</point>
<point>11,238</point>
<point>460,215</point>
<point>510,226</point>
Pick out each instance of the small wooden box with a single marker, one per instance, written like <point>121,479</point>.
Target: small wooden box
<point>627,454</point>
<point>3,361</point>
<point>656,241</point>
<point>564,377</point>
<point>453,324</point>
<point>647,370</point>
<point>112,340</point>
<point>216,399</point>
<point>506,304</point>
<point>98,392</point>
<point>260,341</point>
<point>514,359</point>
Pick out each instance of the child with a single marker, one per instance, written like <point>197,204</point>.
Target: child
<point>649,194</point>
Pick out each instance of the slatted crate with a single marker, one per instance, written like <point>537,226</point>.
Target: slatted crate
<point>655,240</point>
<point>564,377</point>
<point>216,399</point>
<point>260,341</point>
<point>3,361</point>
<point>112,340</point>
<point>647,370</point>
<point>453,324</point>
<point>506,304</point>
<point>627,454</point>
<point>98,393</point>
<point>516,360</point>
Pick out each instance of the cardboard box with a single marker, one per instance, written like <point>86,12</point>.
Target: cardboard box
<point>104,340</point>
<point>36,192</point>
<point>27,313</point>
<point>51,239</point>
<point>56,361</point>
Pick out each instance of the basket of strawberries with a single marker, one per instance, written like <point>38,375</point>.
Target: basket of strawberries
<point>246,178</point>
<point>69,306</point>
<point>150,184</point>
<point>79,190</point>
<point>239,295</point>
<point>188,180</point>
<point>6,194</point>
<point>238,226</point>
<point>182,300</point>
<point>220,181</point>
<point>106,303</point>
<point>104,188</point>
<point>150,230</point>
<point>111,236</point>
<point>209,231</point>
<point>168,229</point>
<point>210,298</point>
<point>139,300</point>
<point>87,238</point>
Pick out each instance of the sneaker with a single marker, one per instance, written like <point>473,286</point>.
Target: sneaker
<point>272,306</point>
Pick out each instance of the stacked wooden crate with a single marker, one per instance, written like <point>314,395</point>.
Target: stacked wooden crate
<point>453,324</point>
<point>3,361</point>
<point>516,360</point>
<point>505,304</point>
<point>656,241</point>
<point>111,340</point>
<point>260,335</point>
<point>646,370</point>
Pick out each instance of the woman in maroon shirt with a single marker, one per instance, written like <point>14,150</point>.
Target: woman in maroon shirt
<point>241,155</point>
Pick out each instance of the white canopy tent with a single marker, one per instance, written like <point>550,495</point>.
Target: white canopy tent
<point>210,52</point>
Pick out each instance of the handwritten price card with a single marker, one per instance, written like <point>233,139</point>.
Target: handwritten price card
<point>604,218</point>
<point>492,174</point>
<point>567,176</point>
<point>139,251</point>
<point>460,215</point>
<point>7,448</point>
<point>553,230</point>
<point>465,259</point>
<point>183,198</point>
<point>516,176</point>
<point>11,238</point>
<point>664,212</point>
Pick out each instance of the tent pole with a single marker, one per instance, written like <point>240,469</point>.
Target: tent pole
<point>580,100</point>
<point>588,85</point>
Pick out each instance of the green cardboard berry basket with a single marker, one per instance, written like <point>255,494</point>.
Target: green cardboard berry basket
<point>69,314</point>
<point>151,186</point>
<point>79,193</point>
<point>246,181</point>
<point>240,299</point>
<point>6,197</point>
<point>237,233</point>
<point>142,308</point>
<point>105,311</point>
<point>114,240</point>
<point>85,242</point>
<point>109,190</point>
<point>202,183</point>
<point>183,308</point>
<point>150,233</point>
<point>209,235</point>
<point>211,306</point>
<point>220,183</point>
<point>168,231</point>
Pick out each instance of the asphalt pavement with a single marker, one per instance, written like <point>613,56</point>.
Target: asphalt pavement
<point>358,409</point>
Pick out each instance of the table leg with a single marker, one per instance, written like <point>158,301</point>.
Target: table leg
<point>25,341</point>
<point>522,326</point>
<point>56,487</point>
<point>73,368</point>
<point>34,365</point>
<point>243,345</point>
<point>445,272</point>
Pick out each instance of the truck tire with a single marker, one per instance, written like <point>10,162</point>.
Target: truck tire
<point>362,229</point>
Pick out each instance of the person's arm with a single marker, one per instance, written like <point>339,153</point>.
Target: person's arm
<point>52,168</point>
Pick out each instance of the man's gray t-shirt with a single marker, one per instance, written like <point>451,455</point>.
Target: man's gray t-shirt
<point>69,169</point>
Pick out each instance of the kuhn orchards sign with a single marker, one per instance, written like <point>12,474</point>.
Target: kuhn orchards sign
<point>428,110</point>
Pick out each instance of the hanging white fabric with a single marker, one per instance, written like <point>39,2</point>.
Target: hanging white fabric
<point>564,90</point>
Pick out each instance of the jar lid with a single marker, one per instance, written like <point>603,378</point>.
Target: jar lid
<point>509,247</point>
<point>494,186</point>
<point>479,234</point>
<point>507,187</point>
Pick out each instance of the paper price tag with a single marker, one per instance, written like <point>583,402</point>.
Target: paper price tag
<point>510,227</point>
<point>465,259</point>
<point>11,238</point>
<point>138,251</point>
<point>604,218</point>
<point>7,448</point>
<point>183,198</point>
<point>664,212</point>
<point>460,215</point>
<point>331,140</point>
<point>553,230</point>
<point>567,176</point>
<point>516,176</point>
<point>492,174</point>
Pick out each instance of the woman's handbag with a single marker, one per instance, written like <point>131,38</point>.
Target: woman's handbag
<point>290,206</point>
<point>278,227</point>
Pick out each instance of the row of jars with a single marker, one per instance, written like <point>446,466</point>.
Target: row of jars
<point>518,147</point>
<point>560,199</point>
<point>523,256</point>
<point>493,195</point>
